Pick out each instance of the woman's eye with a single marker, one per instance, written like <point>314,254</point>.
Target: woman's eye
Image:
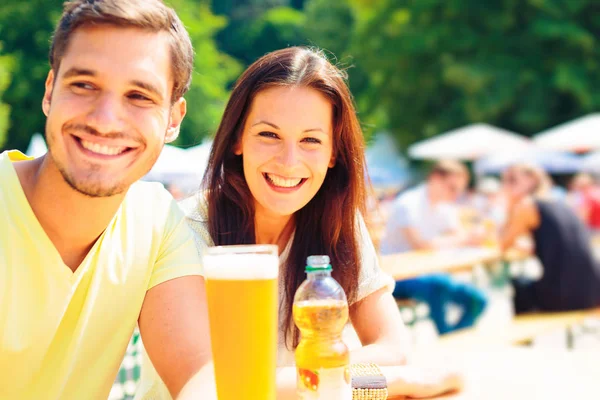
<point>268,135</point>
<point>312,140</point>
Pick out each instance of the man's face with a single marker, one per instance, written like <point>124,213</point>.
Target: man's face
<point>449,187</point>
<point>109,108</point>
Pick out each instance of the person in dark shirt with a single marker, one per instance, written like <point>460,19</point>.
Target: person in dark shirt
<point>571,275</point>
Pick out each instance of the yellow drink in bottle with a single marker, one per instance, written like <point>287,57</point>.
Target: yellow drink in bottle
<point>322,358</point>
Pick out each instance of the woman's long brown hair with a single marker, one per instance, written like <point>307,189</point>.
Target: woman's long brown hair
<point>328,223</point>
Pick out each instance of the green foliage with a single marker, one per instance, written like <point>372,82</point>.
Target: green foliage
<point>332,27</point>
<point>276,29</point>
<point>213,71</point>
<point>416,67</point>
<point>6,69</point>
<point>259,26</point>
<point>435,65</point>
<point>25,29</point>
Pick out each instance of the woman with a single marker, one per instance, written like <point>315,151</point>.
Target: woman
<point>287,168</point>
<point>584,197</point>
<point>571,278</point>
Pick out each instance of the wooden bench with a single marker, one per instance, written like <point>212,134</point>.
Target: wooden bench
<point>521,330</point>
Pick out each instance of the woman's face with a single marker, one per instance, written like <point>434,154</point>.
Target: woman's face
<point>287,148</point>
<point>517,184</point>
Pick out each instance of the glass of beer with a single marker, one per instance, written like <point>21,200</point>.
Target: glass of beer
<point>241,286</point>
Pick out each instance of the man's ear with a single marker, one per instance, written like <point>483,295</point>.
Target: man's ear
<point>47,99</point>
<point>178,111</point>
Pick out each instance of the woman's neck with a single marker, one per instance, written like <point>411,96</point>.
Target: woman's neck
<point>271,229</point>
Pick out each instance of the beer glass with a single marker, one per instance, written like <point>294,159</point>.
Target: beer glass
<point>241,286</point>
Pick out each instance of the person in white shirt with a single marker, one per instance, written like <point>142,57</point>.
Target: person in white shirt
<point>427,218</point>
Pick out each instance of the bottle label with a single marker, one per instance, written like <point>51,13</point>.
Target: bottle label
<point>324,384</point>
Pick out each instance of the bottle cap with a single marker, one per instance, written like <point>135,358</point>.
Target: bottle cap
<point>318,263</point>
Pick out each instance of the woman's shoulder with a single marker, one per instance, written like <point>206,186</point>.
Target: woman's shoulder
<point>195,207</point>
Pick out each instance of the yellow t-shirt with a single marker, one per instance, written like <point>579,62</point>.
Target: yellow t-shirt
<point>63,334</point>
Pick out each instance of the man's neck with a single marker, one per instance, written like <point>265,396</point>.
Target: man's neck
<point>72,221</point>
<point>432,195</point>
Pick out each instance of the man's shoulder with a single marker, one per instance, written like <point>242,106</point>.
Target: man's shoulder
<point>6,159</point>
<point>14,155</point>
<point>148,192</point>
<point>410,198</point>
<point>150,201</point>
<point>448,207</point>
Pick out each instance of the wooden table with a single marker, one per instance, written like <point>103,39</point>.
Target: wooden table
<point>524,373</point>
<point>520,330</point>
<point>415,263</point>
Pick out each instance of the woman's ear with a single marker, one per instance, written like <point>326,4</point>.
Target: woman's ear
<point>237,147</point>
<point>332,161</point>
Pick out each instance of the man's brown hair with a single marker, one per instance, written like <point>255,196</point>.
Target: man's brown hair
<point>449,167</point>
<point>152,15</point>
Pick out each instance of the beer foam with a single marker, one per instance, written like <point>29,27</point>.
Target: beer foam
<point>241,266</point>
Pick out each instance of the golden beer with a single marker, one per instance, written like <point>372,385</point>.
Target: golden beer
<point>321,321</point>
<point>241,285</point>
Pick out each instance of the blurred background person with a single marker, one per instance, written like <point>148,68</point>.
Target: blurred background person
<point>489,208</point>
<point>427,218</point>
<point>489,201</point>
<point>584,197</point>
<point>571,276</point>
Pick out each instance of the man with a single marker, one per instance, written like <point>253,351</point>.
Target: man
<point>85,252</point>
<point>427,218</point>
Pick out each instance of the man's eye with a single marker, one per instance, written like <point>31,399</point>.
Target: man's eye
<point>82,85</point>
<point>139,96</point>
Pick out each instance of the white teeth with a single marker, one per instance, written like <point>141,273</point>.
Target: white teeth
<point>102,149</point>
<point>283,182</point>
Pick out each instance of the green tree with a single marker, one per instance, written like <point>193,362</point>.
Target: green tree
<point>332,27</point>
<point>213,71</point>
<point>6,68</point>
<point>438,64</point>
<point>259,26</point>
<point>277,28</point>
<point>25,29</point>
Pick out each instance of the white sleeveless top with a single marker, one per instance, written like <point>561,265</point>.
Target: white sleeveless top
<point>371,279</point>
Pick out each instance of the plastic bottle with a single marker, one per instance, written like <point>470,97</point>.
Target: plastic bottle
<point>321,313</point>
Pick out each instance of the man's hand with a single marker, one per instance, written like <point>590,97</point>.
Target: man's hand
<point>175,330</point>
